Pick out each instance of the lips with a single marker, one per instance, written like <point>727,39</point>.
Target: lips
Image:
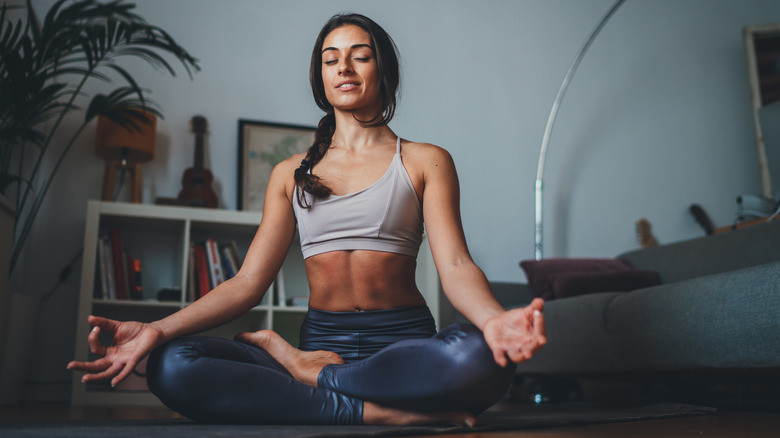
<point>347,85</point>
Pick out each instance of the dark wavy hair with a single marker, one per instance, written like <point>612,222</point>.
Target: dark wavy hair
<point>386,55</point>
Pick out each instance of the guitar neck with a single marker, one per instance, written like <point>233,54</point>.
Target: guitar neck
<point>199,151</point>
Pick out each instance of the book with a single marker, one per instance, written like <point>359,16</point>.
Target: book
<point>103,268</point>
<point>119,267</point>
<point>229,262</point>
<point>134,278</point>
<point>233,249</point>
<point>126,274</point>
<point>109,261</point>
<point>129,268</point>
<point>202,270</point>
<point>192,282</point>
<point>214,264</point>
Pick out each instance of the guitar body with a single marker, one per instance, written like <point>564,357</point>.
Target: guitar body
<point>197,180</point>
<point>196,188</point>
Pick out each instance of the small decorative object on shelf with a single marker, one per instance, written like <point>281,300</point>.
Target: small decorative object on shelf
<point>644,233</point>
<point>124,150</point>
<point>197,180</point>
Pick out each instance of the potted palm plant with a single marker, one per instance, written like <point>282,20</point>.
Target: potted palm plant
<point>44,66</point>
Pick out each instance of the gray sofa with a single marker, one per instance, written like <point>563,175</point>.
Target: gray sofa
<point>716,314</point>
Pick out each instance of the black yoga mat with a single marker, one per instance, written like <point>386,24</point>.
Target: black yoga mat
<point>521,418</point>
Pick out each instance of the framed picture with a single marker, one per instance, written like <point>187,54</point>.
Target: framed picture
<point>262,145</point>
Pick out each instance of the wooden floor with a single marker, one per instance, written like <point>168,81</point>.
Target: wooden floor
<point>721,425</point>
<point>727,423</point>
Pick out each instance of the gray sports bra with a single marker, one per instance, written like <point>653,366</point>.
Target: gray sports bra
<point>385,216</point>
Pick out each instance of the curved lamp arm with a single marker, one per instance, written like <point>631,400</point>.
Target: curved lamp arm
<point>551,120</point>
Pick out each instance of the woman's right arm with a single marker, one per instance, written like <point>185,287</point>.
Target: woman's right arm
<point>133,341</point>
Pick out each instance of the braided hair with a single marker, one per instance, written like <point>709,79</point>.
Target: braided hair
<point>389,75</point>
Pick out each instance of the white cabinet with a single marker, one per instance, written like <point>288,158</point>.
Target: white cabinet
<point>160,237</point>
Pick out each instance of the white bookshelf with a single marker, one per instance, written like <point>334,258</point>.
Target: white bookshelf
<point>160,236</point>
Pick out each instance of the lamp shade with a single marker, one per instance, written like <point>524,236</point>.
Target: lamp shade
<point>114,142</point>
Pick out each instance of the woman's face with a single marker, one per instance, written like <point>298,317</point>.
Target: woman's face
<point>349,71</point>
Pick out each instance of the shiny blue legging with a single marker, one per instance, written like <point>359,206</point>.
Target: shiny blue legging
<point>393,358</point>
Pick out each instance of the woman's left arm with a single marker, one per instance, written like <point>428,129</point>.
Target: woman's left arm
<point>517,333</point>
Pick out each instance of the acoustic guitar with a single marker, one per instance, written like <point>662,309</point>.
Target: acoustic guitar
<point>197,180</point>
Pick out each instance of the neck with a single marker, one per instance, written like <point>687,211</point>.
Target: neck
<point>351,134</point>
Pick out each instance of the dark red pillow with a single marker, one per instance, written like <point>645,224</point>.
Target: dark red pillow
<point>540,273</point>
<point>581,283</point>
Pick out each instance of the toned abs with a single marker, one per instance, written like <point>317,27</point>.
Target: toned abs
<point>356,280</point>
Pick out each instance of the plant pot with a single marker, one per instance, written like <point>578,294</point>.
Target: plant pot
<point>18,346</point>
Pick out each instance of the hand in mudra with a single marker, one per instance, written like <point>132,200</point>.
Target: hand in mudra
<point>132,342</point>
<point>517,334</point>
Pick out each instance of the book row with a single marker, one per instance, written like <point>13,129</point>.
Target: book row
<point>120,273</point>
<point>210,264</point>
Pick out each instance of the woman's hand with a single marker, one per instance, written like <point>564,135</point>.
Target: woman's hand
<point>517,333</point>
<point>132,342</point>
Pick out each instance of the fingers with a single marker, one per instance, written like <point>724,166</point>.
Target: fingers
<point>518,356</point>
<point>90,367</point>
<point>101,369</point>
<point>537,304</point>
<point>93,340</point>
<point>500,357</point>
<point>525,349</point>
<point>110,372</point>
<point>98,324</point>
<point>103,323</point>
<point>126,370</point>
<point>540,328</point>
<point>498,350</point>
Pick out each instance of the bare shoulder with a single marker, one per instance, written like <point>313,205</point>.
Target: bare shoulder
<point>283,174</point>
<point>425,157</point>
<point>290,163</point>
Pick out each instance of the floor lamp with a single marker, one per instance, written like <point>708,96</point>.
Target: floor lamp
<point>548,129</point>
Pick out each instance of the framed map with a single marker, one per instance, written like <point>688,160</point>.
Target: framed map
<point>261,146</point>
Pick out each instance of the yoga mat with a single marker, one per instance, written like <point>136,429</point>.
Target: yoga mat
<point>521,418</point>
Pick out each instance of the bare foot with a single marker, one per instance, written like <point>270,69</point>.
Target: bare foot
<point>376,414</point>
<point>305,366</point>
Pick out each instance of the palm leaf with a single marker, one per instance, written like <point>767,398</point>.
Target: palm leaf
<point>44,66</point>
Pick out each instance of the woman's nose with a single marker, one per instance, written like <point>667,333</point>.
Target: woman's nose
<point>345,67</point>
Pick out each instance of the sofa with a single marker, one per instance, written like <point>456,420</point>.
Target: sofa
<point>714,315</point>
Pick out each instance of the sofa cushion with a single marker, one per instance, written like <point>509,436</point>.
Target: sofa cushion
<point>722,322</point>
<point>570,284</point>
<point>542,273</point>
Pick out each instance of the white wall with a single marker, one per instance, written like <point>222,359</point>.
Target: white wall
<point>656,118</point>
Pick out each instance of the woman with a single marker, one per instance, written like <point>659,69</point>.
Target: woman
<point>368,352</point>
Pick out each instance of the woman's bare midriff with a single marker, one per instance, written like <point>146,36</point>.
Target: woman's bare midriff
<point>357,280</point>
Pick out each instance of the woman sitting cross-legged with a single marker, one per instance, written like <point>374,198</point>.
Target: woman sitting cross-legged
<point>369,352</point>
